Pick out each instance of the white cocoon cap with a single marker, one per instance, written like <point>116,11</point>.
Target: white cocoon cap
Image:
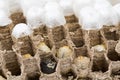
<point>21,30</point>
<point>4,19</point>
<point>4,6</point>
<point>106,10</point>
<point>35,17</point>
<point>79,4</point>
<point>54,15</point>
<point>90,19</point>
<point>50,6</point>
<point>113,2</point>
<point>117,10</point>
<point>14,6</point>
<point>25,4</point>
<point>67,7</point>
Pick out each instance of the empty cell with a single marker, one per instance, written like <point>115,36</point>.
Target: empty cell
<point>71,19</point>
<point>23,46</point>
<point>98,59</point>
<point>81,51</point>
<point>11,62</point>
<point>48,64</point>
<point>77,38</point>
<point>100,65</point>
<point>30,68</point>
<point>115,68</point>
<point>35,77</point>
<point>17,17</point>
<point>69,75</point>
<point>5,38</point>
<point>110,34</point>
<point>112,54</point>
<point>3,45</point>
<point>93,38</point>
<point>72,27</point>
<point>58,33</point>
<point>41,30</point>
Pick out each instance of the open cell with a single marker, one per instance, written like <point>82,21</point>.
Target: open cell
<point>100,65</point>
<point>35,77</point>
<point>58,33</point>
<point>11,63</point>
<point>48,64</point>
<point>93,38</point>
<point>115,68</point>
<point>113,56</point>
<point>69,75</point>
<point>76,34</point>
<point>110,34</point>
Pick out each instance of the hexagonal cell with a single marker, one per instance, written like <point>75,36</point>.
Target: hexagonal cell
<point>100,65</point>
<point>10,62</point>
<point>112,54</point>
<point>17,17</point>
<point>56,34</point>
<point>30,68</point>
<point>62,43</point>
<point>77,38</point>
<point>23,45</point>
<point>81,51</point>
<point>3,45</point>
<point>42,47</point>
<point>5,38</point>
<point>76,34</point>
<point>71,19</point>
<point>35,77</point>
<point>65,52</point>
<point>69,75</point>
<point>93,38</point>
<point>115,68</point>
<point>48,64</point>
<point>40,31</point>
<point>72,27</point>
<point>110,34</point>
<point>99,61</point>
<point>63,49</point>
